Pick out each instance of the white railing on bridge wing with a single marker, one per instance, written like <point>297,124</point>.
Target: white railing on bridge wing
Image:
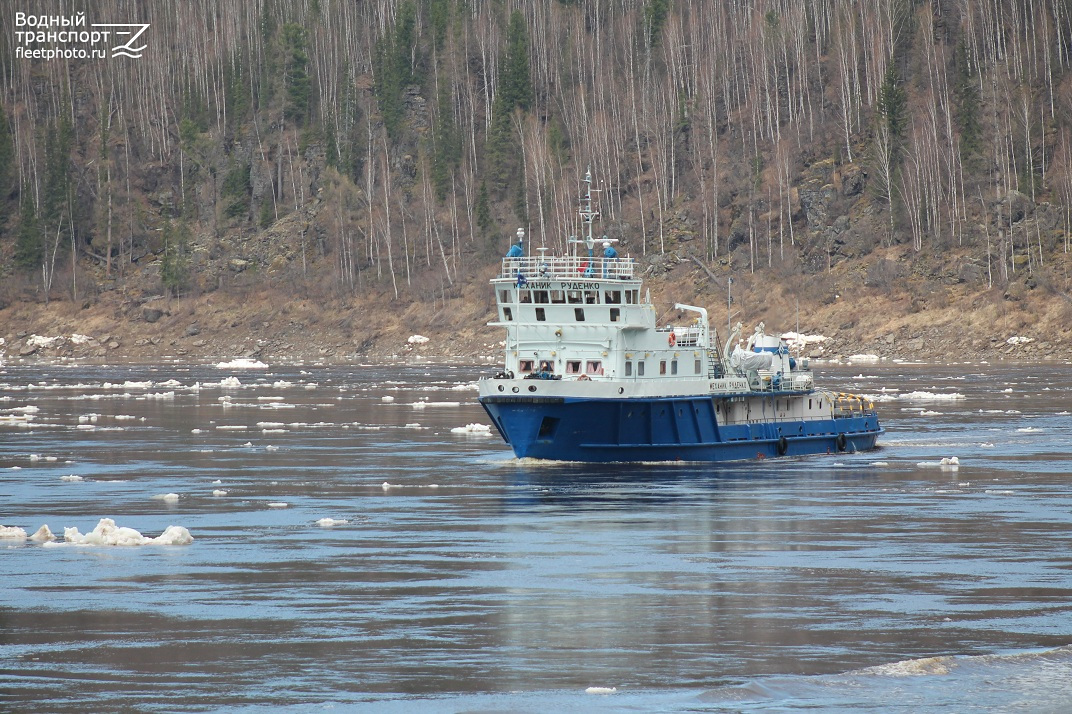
<point>568,268</point>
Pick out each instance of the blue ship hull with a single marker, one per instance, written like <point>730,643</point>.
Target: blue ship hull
<point>663,429</point>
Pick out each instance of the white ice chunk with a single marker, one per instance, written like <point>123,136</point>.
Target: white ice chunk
<point>42,534</point>
<point>167,497</point>
<point>330,522</point>
<point>219,493</point>
<point>12,533</point>
<point>242,363</point>
<point>107,533</point>
<point>278,504</point>
<point>472,429</point>
<point>72,478</point>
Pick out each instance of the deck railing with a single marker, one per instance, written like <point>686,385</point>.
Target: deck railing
<point>568,268</point>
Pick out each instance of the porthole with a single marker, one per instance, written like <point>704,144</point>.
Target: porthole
<point>515,390</point>
<point>532,387</point>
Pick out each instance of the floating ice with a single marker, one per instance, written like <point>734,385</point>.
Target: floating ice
<point>601,690</point>
<point>107,533</point>
<point>993,492</point>
<point>472,429</point>
<point>387,398</point>
<point>863,358</point>
<point>167,497</point>
<point>12,533</point>
<point>242,363</point>
<point>230,383</point>
<point>72,478</point>
<point>946,463</point>
<point>42,534</point>
<point>1028,429</point>
<point>271,447</point>
<point>278,504</point>
<point>879,463</point>
<point>197,431</point>
<point>330,522</point>
<point>417,340</point>
<point>219,492</point>
<point>282,384</point>
<point>932,396</point>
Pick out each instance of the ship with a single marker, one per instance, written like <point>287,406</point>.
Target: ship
<point>589,375</point>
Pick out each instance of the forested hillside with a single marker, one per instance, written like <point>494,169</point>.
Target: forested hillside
<point>339,149</point>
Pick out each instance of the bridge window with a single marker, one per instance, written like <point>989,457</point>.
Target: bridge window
<point>524,295</point>
<point>505,296</point>
<point>591,297</point>
<point>615,314</point>
<point>573,297</point>
<point>540,296</point>
<point>594,366</point>
<point>524,366</point>
<point>540,315</point>
<point>612,297</point>
<point>573,366</point>
<point>508,315</point>
<point>578,312</point>
<point>558,296</point>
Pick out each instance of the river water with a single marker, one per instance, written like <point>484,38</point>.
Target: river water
<point>457,578</point>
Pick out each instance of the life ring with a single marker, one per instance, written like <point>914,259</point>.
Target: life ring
<point>672,339</point>
<point>841,442</point>
<point>783,446</point>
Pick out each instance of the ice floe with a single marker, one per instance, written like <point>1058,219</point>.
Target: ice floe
<point>472,429</point>
<point>331,522</point>
<point>278,504</point>
<point>72,478</point>
<point>946,463</point>
<point>107,533</point>
<point>601,690</point>
<point>167,497</point>
<point>923,396</point>
<point>242,363</point>
<point>219,493</point>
